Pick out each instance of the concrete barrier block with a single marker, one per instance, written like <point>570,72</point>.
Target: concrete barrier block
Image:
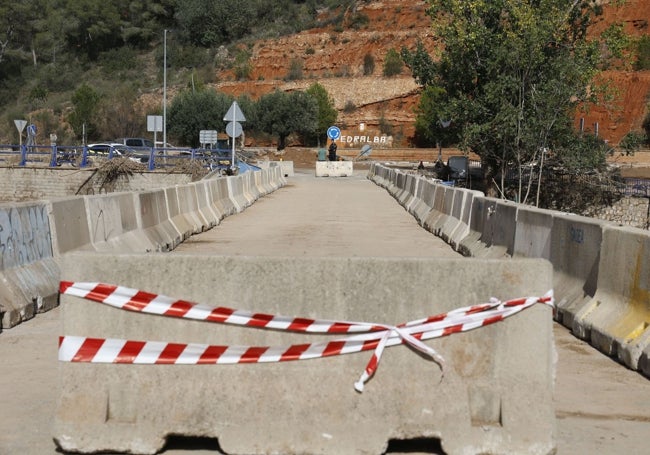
<point>619,313</point>
<point>644,361</point>
<point>393,185</point>
<point>176,214</point>
<point>250,193</point>
<point>471,245</point>
<point>155,220</point>
<point>114,226</point>
<point>204,205</point>
<point>236,193</point>
<point>286,167</point>
<point>334,168</point>
<point>423,200</point>
<point>407,196</point>
<point>253,188</point>
<point>499,228</point>
<point>575,255</point>
<point>456,227</point>
<point>220,197</point>
<point>188,204</point>
<point>496,395</point>
<point>28,271</point>
<point>70,230</point>
<point>437,215</point>
<point>261,183</point>
<point>442,205</point>
<point>533,232</point>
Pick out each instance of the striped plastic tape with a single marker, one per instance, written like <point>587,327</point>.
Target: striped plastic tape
<point>361,336</point>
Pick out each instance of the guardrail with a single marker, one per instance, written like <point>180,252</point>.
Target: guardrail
<point>82,156</point>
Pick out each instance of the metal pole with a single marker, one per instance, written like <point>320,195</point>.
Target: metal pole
<point>165,90</point>
<point>234,119</point>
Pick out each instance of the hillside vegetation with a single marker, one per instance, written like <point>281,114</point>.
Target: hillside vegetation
<point>243,47</point>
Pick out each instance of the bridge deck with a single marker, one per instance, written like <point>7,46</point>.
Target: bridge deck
<point>601,406</point>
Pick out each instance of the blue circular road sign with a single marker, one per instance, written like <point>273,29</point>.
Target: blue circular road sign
<point>333,132</point>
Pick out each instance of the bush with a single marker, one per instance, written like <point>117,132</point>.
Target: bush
<point>393,63</point>
<point>358,20</point>
<point>368,64</point>
<point>643,54</point>
<point>646,127</point>
<point>632,142</point>
<point>295,70</point>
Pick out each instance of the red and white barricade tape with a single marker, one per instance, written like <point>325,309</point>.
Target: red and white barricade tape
<point>365,336</point>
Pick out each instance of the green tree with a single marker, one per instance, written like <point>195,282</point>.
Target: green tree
<point>282,114</point>
<point>118,116</point>
<point>93,26</point>
<point>208,23</point>
<point>82,118</point>
<point>327,113</point>
<point>193,111</point>
<point>512,74</point>
<point>17,29</point>
<point>392,63</point>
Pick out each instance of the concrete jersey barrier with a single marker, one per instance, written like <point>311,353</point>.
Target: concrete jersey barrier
<point>600,270</point>
<point>34,235</point>
<point>496,395</point>
<point>114,225</point>
<point>617,318</point>
<point>27,267</point>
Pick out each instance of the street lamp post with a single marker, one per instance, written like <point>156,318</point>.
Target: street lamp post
<point>165,90</point>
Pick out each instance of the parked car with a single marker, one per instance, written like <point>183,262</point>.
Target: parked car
<point>136,142</point>
<point>112,149</point>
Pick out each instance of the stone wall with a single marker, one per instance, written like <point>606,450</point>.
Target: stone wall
<point>32,184</point>
<point>628,211</point>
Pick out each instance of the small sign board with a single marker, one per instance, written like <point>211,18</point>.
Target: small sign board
<point>20,125</point>
<point>234,114</point>
<point>234,129</point>
<point>208,136</point>
<point>333,132</point>
<point>154,123</point>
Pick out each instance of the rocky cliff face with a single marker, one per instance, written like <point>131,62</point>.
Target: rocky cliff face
<point>335,59</point>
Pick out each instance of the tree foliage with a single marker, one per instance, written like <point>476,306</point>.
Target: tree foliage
<point>327,113</point>
<point>510,75</point>
<point>392,63</point>
<point>193,111</point>
<point>83,119</point>
<point>281,114</point>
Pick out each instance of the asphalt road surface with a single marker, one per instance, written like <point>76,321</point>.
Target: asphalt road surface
<point>601,407</point>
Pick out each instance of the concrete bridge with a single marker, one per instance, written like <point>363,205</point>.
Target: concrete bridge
<point>341,249</point>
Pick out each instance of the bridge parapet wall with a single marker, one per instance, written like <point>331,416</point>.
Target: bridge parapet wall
<point>601,271</point>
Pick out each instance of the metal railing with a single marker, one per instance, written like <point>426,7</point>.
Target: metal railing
<point>82,156</point>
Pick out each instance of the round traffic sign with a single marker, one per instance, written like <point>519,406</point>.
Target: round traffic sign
<point>234,129</point>
<point>333,132</point>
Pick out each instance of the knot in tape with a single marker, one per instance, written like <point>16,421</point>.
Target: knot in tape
<point>362,336</point>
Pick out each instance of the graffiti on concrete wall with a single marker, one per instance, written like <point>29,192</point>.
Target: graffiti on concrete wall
<point>25,235</point>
